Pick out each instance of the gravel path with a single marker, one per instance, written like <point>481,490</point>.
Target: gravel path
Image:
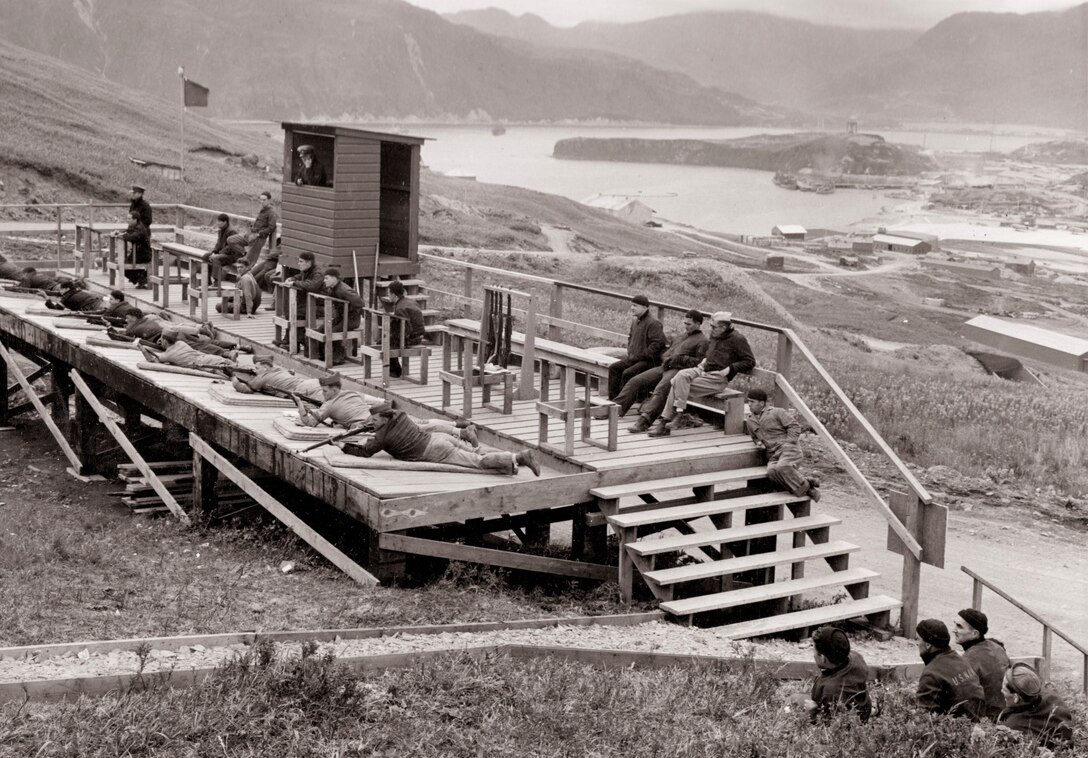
<point>656,637</point>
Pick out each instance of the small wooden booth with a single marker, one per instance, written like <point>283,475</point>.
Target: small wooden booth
<point>366,216</point>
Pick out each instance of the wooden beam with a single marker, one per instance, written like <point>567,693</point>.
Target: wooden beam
<point>13,367</point>
<point>205,476</point>
<point>290,520</point>
<point>507,559</point>
<point>909,504</point>
<point>885,510</point>
<point>129,448</point>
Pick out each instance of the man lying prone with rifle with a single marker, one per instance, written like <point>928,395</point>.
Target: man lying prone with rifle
<point>278,382</point>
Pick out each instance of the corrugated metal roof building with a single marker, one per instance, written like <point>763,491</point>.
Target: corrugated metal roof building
<point>896,244</point>
<point>1029,341</point>
<point>790,231</point>
<point>623,207</point>
<point>980,270</point>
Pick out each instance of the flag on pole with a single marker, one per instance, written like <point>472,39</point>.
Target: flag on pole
<point>196,95</point>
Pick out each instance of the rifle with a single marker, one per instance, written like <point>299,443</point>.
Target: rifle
<point>335,438</point>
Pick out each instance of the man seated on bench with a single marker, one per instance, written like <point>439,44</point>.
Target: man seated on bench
<point>727,355</point>
<point>248,290</point>
<point>75,297</point>
<point>229,247</point>
<point>278,382</point>
<point>684,352</point>
<point>333,286</point>
<point>181,354</point>
<point>138,235</point>
<point>778,431</point>
<point>414,328</point>
<point>433,442</point>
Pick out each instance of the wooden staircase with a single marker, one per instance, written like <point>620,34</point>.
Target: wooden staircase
<point>707,545</point>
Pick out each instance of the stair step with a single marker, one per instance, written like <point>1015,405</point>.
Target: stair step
<point>733,598</point>
<point>654,546</point>
<point>698,510</point>
<point>748,562</point>
<point>681,482</point>
<point>824,614</point>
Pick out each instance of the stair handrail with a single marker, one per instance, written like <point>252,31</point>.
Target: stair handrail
<point>977,583</point>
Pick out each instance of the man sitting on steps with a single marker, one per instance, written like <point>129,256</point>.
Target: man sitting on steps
<point>778,432</point>
<point>405,439</point>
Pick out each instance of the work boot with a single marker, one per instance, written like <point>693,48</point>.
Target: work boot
<point>814,481</point>
<point>679,421</point>
<point>660,428</point>
<point>813,493</point>
<point>641,425</point>
<point>468,434</point>
<point>527,459</point>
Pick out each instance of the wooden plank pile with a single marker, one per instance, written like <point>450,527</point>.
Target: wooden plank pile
<point>177,476</point>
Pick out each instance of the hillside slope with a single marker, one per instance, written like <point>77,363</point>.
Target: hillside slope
<point>335,59</point>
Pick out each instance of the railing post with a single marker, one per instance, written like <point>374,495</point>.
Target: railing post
<point>1084,676</point>
<point>1047,641</point>
<point>179,219</point>
<point>555,310</point>
<point>59,255</point>
<point>782,361</point>
<point>907,503</point>
<point>468,293</point>
<point>976,594</point>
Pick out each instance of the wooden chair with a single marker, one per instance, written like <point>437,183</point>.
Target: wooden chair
<point>468,378</point>
<point>116,262</point>
<point>574,412</point>
<point>160,278</point>
<point>286,319</point>
<point>378,330</point>
<point>320,335</point>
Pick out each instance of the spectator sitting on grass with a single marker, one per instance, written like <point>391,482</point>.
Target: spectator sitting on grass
<point>1035,710</point>
<point>987,657</point>
<point>948,684</point>
<point>843,679</point>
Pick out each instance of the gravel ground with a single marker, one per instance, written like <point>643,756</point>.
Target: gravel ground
<point>656,637</point>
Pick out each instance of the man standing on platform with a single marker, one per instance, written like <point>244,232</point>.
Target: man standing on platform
<point>140,206</point>
<point>263,230</point>
<point>778,431</point>
<point>727,355</point>
<point>406,314</point>
<point>987,657</point>
<point>645,343</point>
<point>434,442</point>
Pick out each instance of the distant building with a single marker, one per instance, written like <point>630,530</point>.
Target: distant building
<point>1024,268</point>
<point>774,262</point>
<point>933,240</point>
<point>165,170</point>
<point>622,207</point>
<point>789,232</point>
<point>861,246</point>
<point>979,270</point>
<point>1029,341</point>
<point>895,243</point>
<point>848,261</point>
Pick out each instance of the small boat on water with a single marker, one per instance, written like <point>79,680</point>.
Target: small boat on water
<point>825,189</point>
<point>785,180</point>
<point>498,131</point>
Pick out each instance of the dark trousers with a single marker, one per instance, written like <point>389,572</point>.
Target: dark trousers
<point>394,363</point>
<point>638,387</point>
<point>622,371</point>
<point>652,408</point>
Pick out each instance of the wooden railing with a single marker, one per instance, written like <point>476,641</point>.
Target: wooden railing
<point>1049,630</point>
<point>788,344</point>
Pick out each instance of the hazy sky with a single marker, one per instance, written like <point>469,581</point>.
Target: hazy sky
<point>862,13</point>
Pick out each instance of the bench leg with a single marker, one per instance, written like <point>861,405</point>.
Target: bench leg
<point>734,415</point>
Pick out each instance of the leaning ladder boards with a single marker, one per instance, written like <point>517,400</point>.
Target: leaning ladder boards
<point>718,533</point>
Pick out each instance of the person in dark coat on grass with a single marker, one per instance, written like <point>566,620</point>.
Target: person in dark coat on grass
<point>1034,709</point>
<point>986,656</point>
<point>645,344</point>
<point>844,676</point>
<point>948,684</point>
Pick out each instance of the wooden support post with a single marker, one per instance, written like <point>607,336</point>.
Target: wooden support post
<point>468,293</point>
<point>13,367</point>
<point>62,388</point>
<point>85,433</point>
<point>205,477</point>
<point>912,566</point>
<point>5,393</point>
<point>289,519</point>
<point>130,450</point>
<point>782,362</point>
<point>626,565</point>
<point>538,534</point>
<point>555,310</point>
<point>130,414</point>
<point>60,247</point>
<point>1048,638</point>
<point>976,594</point>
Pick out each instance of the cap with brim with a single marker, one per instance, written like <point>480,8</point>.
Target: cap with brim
<point>1022,679</point>
<point>304,149</point>
<point>381,408</point>
<point>934,632</point>
<point>138,188</point>
<point>330,380</point>
<point>722,317</point>
<point>640,300</point>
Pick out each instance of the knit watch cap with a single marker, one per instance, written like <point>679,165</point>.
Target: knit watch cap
<point>223,217</point>
<point>934,632</point>
<point>396,287</point>
<point>1022,679</point>
<point>329,380</point>
<point>640,300</point>
<point>333,271</point>
<point>757,394</point>
<point>832,643</point>
<point>977,619</point>
<point>381,408</point>
<point>306,256</point>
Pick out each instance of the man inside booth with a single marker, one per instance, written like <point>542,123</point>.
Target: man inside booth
<point>312,172</point>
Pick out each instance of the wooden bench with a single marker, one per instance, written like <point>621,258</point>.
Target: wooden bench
<point>88,243</point>
<point>570,409</point>
<point>468,377</point>
<point>159,277</point>
<point>199,290</point>
<point>378,327</point>
<point>319,333</point>
<point>115,262</point>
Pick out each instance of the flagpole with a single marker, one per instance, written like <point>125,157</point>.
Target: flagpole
<point>181,76</point>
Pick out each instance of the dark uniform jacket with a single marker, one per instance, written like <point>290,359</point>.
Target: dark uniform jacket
<point>37,281</point>
<point>80,300</point>
<point>414,329</point>
<point>730,351</point>
<point>846,685</point>
<point>1047,719</point>
<point>8,270</point>
<point>646,341</point>
<point>401,437</point>
<point>143,208</point>
<point>265,224</point>
<point>685,351</point>
<point>949,685</point>
<point>314,175</point>
<point>118,309</point>
<point>989,660</point>
<point>147,328</point>
<point>355,304</point>
<point>226,246</point>
<point>139,236</point>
